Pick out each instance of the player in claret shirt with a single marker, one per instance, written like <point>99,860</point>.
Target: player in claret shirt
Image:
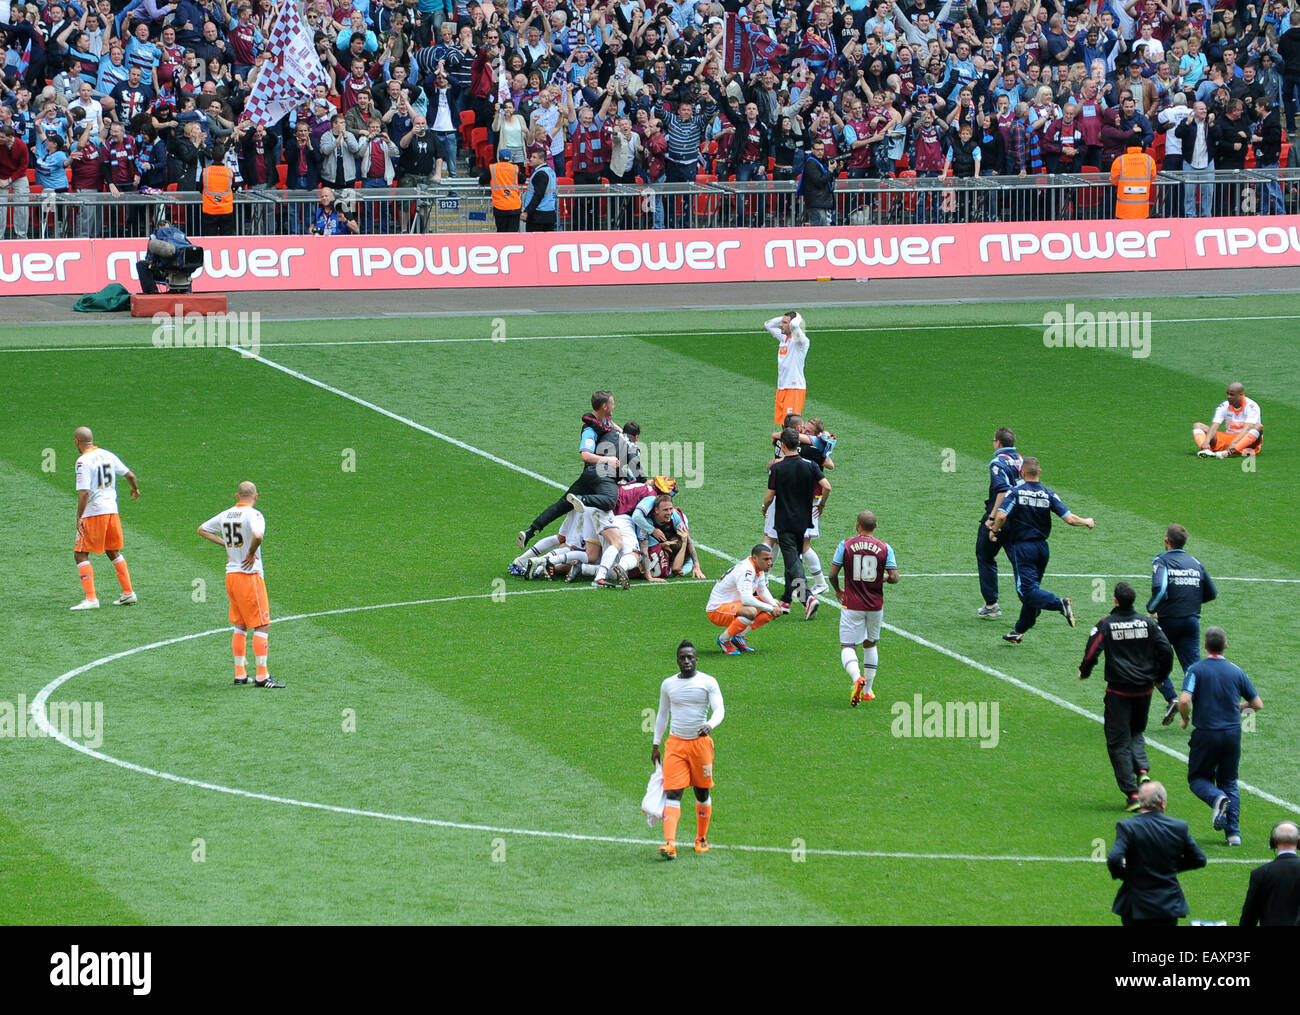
<point>868,563</point>
<point>1239,417</point>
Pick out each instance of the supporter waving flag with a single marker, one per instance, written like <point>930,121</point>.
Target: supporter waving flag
<point>750,49</point>
<point>816,51</point>
<point>289,79</point>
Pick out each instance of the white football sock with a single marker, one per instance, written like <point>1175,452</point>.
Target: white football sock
<point>849,660</point>
<point>870,657</point>
<point>813,565</point>
<point>606,561</point>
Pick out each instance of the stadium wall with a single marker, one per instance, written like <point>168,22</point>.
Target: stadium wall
<point>269,263</point>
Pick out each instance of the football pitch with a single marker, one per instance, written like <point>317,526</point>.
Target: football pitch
<point>455,745</point>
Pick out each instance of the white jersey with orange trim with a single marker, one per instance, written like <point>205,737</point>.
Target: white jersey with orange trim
<point>693,702</point>
<point>97,471</point>
<point>237,526</point>
<point>1236,421</point>
<point>741,584</point>
<point>791,355</point>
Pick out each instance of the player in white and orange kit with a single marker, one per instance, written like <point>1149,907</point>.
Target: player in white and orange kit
<point>791,386</point>
<point>695,702</point>
<point>239,531</point>
<point>99,529</point>
<point>740,601</point>
<point>1242,428</point>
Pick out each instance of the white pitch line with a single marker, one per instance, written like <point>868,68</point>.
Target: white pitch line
<point>829,330</point>
<point>1046,695</point>
<point>40,715</point>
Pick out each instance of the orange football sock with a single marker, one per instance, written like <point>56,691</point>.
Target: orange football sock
<point>239,646</point>
<point>86,571</point>
<point>123,575</point>
<point>763,618</point>
<point>672,815</point>
<point>737,626</point>
<point>702,814</point>
<point>260,642</point>
<point>1244,441</point>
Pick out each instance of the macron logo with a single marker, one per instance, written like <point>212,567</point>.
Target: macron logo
<point>102,969</point>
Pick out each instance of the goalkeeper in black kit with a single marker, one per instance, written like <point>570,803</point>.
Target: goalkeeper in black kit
<point>1138,657</point>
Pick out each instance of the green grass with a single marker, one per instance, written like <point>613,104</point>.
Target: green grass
<point>527,713</point>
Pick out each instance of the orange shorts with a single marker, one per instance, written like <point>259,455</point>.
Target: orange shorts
<point>789,400</point>
<point>1224,440</point>
<point>248,603</point>
<point>725,614</point>
<point>99,533</point>
<point>688,763</point>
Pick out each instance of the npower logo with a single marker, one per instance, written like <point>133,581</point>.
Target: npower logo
<point>472,259</point>
<point>648,255</point>
<point>1094,245</point>
<point>224,263</point>
<point>848,252</point>
<point>36,266</point>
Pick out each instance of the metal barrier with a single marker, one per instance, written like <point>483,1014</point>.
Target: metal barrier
<point>462,206</point>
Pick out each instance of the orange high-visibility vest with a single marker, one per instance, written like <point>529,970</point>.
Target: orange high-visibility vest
<point>507,195</point>
<point>1132,174</point>
<point>218,190</point>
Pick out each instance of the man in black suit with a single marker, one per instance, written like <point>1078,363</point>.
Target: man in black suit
<point>794,481</point>
<point>1149,851</point>
<point>1273,898</point>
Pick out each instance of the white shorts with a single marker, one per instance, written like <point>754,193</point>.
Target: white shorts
<point>769,524</point>
<point>628,531</point>
<point>595,521</point>
<point>573,531</point>
<point>857,626</point>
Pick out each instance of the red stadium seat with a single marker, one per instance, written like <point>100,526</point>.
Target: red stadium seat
<point>564,206</point>
<point>1089,196</point>
<point>282,177</point>
<point>466,125</point>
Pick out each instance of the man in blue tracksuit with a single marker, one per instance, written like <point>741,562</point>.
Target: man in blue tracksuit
<point>1029,508</point>
<point>1004,474</point>
<point>1179,585</point>
<point>1216,692</point>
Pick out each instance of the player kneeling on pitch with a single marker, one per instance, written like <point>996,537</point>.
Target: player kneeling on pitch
<point>867,563</point>
<point>740,601</point>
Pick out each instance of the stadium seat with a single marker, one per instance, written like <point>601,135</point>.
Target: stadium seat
<point>466,125</point>
<point>902,165</point>
<point>908,176</point>
<point>1251,160</point>
<point>476,137</point>
<point>1089,196</point>
<point>31,176</point>
<point>282,177</point>
<point>564,206</point>
<point>1286,151</point>
<point>707,205</point>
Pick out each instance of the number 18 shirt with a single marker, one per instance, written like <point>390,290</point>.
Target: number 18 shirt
<point>864,560</point>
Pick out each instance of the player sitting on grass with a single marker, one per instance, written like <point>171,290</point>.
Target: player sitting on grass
<point>1239,416</point>
<point>740,601</point>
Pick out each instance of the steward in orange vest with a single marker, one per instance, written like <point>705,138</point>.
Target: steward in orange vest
<point>1132,174</point>
<point>218,186</point>
<point>507,196</point>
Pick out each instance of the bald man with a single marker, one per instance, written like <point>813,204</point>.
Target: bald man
<point>1239,417</point>
<point>99,529</point>
<point>1273,898</point>
<point>239,531</point>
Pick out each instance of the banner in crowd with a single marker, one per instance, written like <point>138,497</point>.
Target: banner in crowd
<point>290,77</point>
<point>749,49</point>
<point>470,260</point>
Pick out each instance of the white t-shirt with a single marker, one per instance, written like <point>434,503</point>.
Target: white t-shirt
<point>1236,420</point>
<point>97,471</point>
<point>690,700</point>
<point>741,584</point>
<point>549,118</point>
<point>237,526</point>
<point>791,355</point>
<point>1174,116</point>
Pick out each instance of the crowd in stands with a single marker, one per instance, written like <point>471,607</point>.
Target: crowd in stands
<point>117,96</point>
